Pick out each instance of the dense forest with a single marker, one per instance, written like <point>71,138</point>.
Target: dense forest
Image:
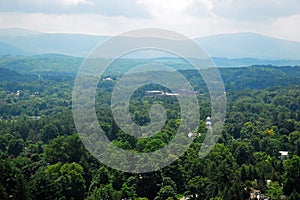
<point>257,155</point>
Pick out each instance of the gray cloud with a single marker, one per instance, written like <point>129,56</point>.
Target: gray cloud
<point>276,18</point>
<point>253,10</point>
<point>130,8</point>
<point>199,9</point>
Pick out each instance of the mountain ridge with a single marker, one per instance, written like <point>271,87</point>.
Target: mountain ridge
<point>231,45</point>
<point>247,44</point>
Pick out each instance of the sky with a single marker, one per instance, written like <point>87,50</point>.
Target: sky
<point>193,18</point>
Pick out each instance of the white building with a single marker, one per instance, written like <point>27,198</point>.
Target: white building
<point>283,154</point>
<point>208,123</point>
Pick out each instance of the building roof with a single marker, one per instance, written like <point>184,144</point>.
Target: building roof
<point>284,153</point>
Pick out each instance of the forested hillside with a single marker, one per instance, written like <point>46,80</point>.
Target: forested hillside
<point>42,156</point>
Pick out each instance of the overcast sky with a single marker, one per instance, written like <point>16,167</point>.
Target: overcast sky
<point>194,18</point>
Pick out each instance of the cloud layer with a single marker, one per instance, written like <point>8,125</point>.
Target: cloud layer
<point>103,7</point>
<point>278,18</point>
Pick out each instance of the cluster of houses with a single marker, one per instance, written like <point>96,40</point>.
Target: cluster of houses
<point>256,194</point>
<point>19,92</point>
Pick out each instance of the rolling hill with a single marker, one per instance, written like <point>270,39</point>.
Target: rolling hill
<point>249,45</point>
<point>238,49</point>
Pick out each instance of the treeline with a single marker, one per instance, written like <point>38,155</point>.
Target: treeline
<point>43,158</point>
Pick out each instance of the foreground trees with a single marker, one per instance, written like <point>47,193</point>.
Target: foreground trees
<point>43,158</point>
<point>59,181</point>
<point>292,176</point>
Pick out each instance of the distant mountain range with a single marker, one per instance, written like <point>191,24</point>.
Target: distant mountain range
<point>227,49</point>
<point>250,45</point>
<point>35,43</point>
